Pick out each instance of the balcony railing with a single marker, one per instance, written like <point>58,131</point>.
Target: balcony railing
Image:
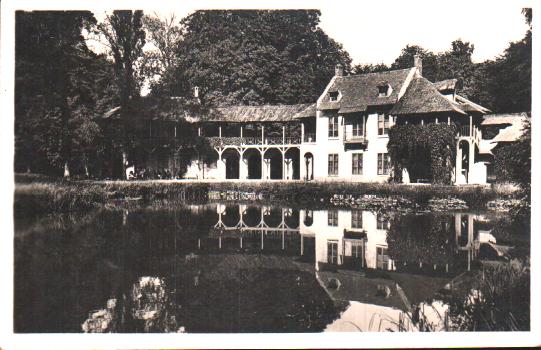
<point>352,137</point>
<point>253,141</point>
<point>466,131</point>
<point>309,137</point>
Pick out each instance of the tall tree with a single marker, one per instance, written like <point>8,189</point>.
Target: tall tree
<point>54,80</point>
<point>511,74</point>
<point>254,57</point>
<point>165,36</point>
<point>125,37</point>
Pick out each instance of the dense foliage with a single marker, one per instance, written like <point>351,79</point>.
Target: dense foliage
<point>60,88</point>
<point>513,163</point>
<point>422,239</point>
<point>426,151</point>
<point>495,299</point>
<point>253,57</point>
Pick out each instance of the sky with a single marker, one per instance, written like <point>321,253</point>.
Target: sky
<point>376,31</point>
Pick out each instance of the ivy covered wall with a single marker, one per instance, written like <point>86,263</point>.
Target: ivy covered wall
<point>427,151</point>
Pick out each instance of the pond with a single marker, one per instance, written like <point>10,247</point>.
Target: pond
<point>225,267</point>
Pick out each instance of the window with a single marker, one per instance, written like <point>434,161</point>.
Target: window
<point>383,124</point>
<point>357,164</point>
<point>332,252</point>
<point>333,126</point>
<point>383,90</point>
<point>332,218</point>
<point>333,164</point>
<point>382,258</point>
<point>358,128</point>
<point>382,222</point>
<point>333,96</point>
<point>357,251</point>
<point>383,164</point>
<point>356,219</point>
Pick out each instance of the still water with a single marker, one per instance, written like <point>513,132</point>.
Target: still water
<point>243,268</point>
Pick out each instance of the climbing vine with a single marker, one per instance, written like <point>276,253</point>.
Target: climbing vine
<point>426,151</point>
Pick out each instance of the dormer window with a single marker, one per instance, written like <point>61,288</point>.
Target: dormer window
<point>384,89</point>
<point>333,96</point>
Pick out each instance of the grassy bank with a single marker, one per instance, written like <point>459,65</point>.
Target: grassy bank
<point>43,195</point>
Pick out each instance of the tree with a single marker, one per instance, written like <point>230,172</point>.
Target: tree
<point>513,162</point>
<point>369,68</point>
<point>430,61</point>
<point>253,57</point>
<point>165,35</point>
<point>125,38</point>
<point>55,90</point>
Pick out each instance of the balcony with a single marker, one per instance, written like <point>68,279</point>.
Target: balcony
<point>253,141</point>
<point>353,137</point>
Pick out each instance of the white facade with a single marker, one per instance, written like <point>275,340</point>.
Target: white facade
<point>325,145</point>
<point>354,146</point>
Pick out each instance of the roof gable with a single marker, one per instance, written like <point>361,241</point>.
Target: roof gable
<point>361,91</point>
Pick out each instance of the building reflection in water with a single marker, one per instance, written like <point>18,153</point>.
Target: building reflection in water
<point>375,262</point>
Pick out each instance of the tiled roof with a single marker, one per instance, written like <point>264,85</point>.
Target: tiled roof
<point>266,113</point>
<point>446,85</point>
<point>422,97</point>
<point>360,91</point>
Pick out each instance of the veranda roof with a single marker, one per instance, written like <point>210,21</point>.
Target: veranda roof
<point>513,131</point>
<point>266,113</point>
<point>504,118</point>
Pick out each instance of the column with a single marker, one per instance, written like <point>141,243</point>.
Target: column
<point>302,132</point>
<point>221,164</point>
<point>458,163</point>
<point>243,167</point>
<point>283,135</point>
<point>302,244</point>
<point>471,160</point>
<point>471,126</point>
<point>262,164</point>
<point>283,164</point>
<point>220,131</point>
<point>262,134</point>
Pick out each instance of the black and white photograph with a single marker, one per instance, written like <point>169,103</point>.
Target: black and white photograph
<point>270,172</point>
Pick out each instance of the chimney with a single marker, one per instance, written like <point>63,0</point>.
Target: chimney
<point>339,70</point>
<point>418,63</point>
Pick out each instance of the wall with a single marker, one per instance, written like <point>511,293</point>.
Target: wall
<point>325,146</point>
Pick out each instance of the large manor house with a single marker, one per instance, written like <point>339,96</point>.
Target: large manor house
<point>344,135</point>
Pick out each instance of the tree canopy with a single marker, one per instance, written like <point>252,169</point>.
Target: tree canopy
<point>253,57</point>
<point>60,87</point>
